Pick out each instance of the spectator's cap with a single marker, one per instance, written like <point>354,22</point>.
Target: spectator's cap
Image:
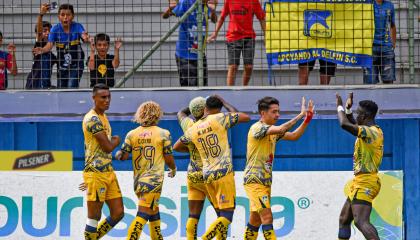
<point>197,106</point>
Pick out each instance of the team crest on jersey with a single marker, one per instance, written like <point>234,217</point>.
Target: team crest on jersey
<point>317,23</point>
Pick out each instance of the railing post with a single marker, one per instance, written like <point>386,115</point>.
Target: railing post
<point>411,41</point>
<point>200,42</point>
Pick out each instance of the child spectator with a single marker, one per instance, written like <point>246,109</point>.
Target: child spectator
<point>66,36</point>
<point>7,62</point>
<point>102,65</point>
<point>40,75</point>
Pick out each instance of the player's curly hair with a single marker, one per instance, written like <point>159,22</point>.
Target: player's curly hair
<point>148,114</point>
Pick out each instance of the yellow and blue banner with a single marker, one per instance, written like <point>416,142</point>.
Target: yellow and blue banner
<point>339,31</point>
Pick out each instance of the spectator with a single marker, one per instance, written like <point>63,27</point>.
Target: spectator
<point>383,45</point>
<point>102,65</point>
<point>40,75</point>
<point>66,36</point>
<point>326,71</point>
<point>240,35</point>
<point>7,62</point>
<point>186,53</point>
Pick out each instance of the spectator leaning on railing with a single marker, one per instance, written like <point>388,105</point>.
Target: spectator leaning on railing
<point>66,36</point>
<point>40,75</point>
<point>383,45</point>
<point>7,62</point>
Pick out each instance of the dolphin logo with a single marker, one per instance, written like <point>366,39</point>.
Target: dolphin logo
<point>312,17</point>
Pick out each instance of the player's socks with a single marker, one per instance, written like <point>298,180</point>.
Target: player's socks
<point>90,229</point>
<point>136,227</point>
<point>154,226</point>
<point>220,226</point>
<point>105,226</point>
<point>192,227</point>
<point>90,235</point>
<point>268,232</point>
<point>251,232</point>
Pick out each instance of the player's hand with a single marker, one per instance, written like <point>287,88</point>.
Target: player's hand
<point>116,140</point>
<point>45,7</point>
<point>303,106</point>
<point>92,44</point>
<point>83,187</point>
<point>37,51</point>
<point>11,48</point>
<point>339,100</point>
<point>172,173</point>
<point>118,155</point>
<point>349,102</point>
<point>212,38</point>
<point>309,112</point>
<point>118,43</point>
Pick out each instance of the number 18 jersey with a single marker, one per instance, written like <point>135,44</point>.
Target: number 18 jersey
<point>148,145</point>
<point>210,136</point>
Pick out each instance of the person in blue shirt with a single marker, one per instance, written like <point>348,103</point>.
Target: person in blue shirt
<point>66,35</point>
<point>42,65</point>
<point>187,44</point>
<point>384,42</point>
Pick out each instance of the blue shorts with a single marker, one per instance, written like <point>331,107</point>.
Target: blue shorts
<point>383,65</point>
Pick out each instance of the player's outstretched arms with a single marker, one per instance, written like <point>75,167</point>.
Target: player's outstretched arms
<point>243,117</point>
<point>343,120</point>
<point>180,147</point>
<point>107,145</point>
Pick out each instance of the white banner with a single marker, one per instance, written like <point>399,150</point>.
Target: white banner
<point>306,205</point>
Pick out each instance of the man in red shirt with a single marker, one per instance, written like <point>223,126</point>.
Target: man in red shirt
<point>7,62</point>
<point>240,35</point>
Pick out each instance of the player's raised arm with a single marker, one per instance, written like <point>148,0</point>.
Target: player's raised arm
<point>298,132</point>
<point>349,104</point>
<point>343,120</point>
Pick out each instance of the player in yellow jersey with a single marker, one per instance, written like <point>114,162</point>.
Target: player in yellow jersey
<point>210,137</point>
<point>368,152</point>
<point>197,190</point>
<point>262,138</point>
<point>151,148</point>
<point>98,174</point>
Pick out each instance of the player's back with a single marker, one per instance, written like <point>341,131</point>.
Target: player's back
<point>210,136</point>
<point>368,149</point>
<point>96,160</point>
<point>149,144</point>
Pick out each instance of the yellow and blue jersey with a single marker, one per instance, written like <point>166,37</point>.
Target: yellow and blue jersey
<point>96,160</point>
<point>260,154</point>
<point>368,150</point>
<point>210,137</point>
<point>195,167</point>
<point>148,145</point>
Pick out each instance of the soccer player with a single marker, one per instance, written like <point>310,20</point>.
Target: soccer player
<point>98,174</point>
<point>151,148</point>
<point>368,152</point>
<point>210,137</point>
<point>262,138</point>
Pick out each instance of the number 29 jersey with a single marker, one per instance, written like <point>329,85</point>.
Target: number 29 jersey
<point>148,145</point>
<point>210,136</point>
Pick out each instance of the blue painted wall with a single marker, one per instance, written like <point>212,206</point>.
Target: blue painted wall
<point>323,147</point>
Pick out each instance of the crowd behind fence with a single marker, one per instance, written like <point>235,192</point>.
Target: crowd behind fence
<point>133,27</point>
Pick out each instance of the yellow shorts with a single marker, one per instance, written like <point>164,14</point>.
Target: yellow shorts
<point>101,186</point>
<point>149,200</point>
<point>222,192</point>
<point>196,191</point>
<point>259,196</point>
<point>364,187</point>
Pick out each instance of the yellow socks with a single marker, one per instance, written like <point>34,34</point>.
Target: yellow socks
<point>251,232</point>
<point>154,226</point>
<point>192,227</point>
<point>105,226</point>
<point>220,226</point>
<point>268,232</point>
<point>90,235</point>
<point>136,226</point>
<point>90,229</point>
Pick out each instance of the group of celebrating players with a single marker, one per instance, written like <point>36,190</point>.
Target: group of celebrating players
<point>210,171</point>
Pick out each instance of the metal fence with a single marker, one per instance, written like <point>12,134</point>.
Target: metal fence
<point>140,25</point>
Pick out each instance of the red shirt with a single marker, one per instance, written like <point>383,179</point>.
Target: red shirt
<point>241,13</point>
<point>5,63</point>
